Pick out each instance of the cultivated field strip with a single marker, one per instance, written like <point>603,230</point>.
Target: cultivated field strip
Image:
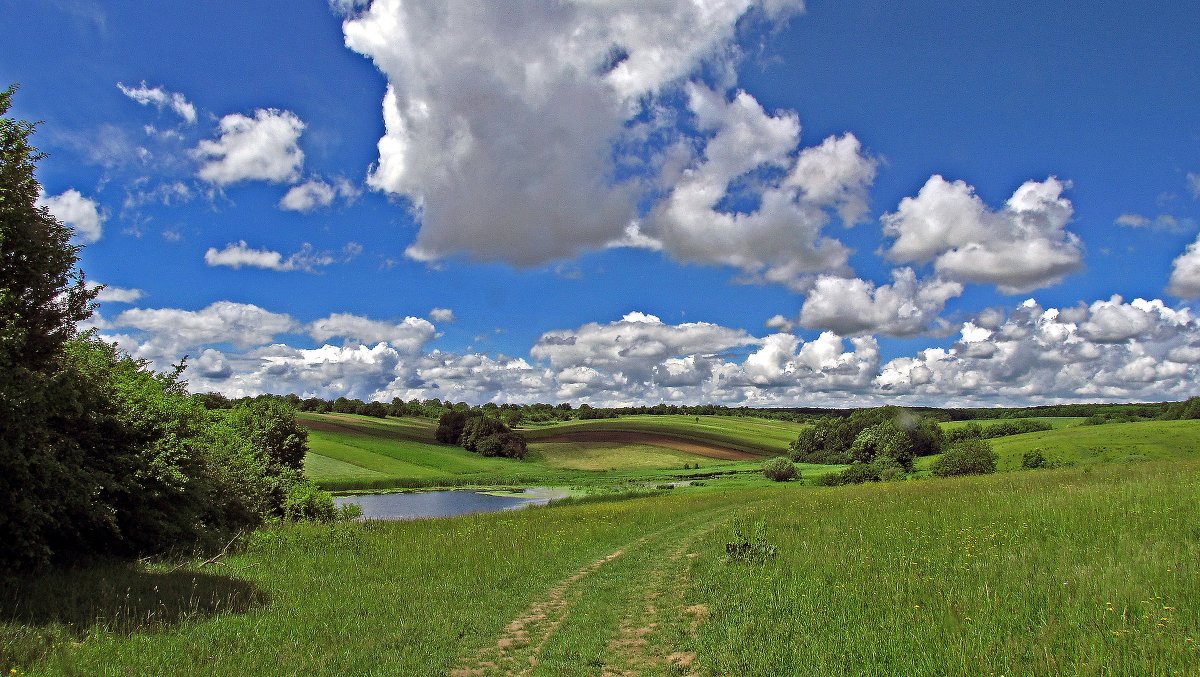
<point>522,647</point>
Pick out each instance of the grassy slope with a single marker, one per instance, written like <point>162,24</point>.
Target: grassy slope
<point>348,451</point>
<point>1105,443</point>
<point>754,435</point>
<point>1080,571</point>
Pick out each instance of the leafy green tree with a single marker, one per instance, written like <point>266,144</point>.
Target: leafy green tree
<point>42,298</point>
<point>884,440</point>
<point>450,426</point>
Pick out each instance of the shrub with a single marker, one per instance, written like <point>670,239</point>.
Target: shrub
<point>972,457</point>
<point>859,473</point>
<point>884,440</point>
<point>507,444</point>
<point>306,501</point>
<point>1034,458</point>
<point>780,469</point>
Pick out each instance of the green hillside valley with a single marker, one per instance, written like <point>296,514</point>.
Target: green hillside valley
<point>665,537</point>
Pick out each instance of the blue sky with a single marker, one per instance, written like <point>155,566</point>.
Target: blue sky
<point>766,203</point>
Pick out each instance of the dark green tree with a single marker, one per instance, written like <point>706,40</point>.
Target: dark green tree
<point>969,457</point>
<point>42,298</point>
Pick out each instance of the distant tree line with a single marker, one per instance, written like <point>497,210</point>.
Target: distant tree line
<point>524,414</point>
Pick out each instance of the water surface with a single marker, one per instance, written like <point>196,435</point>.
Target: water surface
<point>419,504</point>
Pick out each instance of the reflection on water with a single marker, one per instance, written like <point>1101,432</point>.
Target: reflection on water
<point>420,504</point>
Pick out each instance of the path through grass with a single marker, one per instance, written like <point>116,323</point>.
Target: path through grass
<point>1082,571</point>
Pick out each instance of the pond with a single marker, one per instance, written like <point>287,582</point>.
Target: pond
<point>419,504</point>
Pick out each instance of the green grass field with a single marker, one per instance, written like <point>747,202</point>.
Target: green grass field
<point>1114,442</point>
<point>1089,570</point>
<point>754,435</point>
<point>349,452</point>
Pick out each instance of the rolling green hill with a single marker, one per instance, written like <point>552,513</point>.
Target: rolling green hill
<point>1114,442</point>
<point>760,436</point>
<point>347,451</point>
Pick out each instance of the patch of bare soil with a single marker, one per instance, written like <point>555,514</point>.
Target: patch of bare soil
<point>654,440</point>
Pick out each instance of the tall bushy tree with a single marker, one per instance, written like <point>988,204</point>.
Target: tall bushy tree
<point>42,298</point>
<point>99,455</point>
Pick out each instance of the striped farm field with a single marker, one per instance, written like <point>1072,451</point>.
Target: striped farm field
<point>759,436</point>
<point>348,452</point>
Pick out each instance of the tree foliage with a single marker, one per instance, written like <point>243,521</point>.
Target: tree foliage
<point>970,457</point>
<point>889,432</point>
<point>99,455</point>
<point>481,433</point>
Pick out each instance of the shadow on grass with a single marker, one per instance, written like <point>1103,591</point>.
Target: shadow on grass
<point>38,612</point>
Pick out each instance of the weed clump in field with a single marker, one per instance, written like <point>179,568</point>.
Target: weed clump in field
<point>749,544</point>
<point>1035,459</point>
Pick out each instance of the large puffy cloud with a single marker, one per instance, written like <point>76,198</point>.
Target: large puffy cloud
<point>779,240</point>
<point>75,210</point>
<point>1021,247</point>
<point>409,335</point>
<point>635,344</point>
<point>906,307</point>
<point>1185,273</point>
<point>502,120</point>
<point>1110,350</point>
<point>240,324</point>
<point>264,148</point>
<point>160,98</point>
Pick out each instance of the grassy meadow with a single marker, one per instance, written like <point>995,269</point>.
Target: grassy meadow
<point>1080,571</point>
<point>350,452</point>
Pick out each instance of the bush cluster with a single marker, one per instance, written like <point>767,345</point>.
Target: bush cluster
<point>1003,428</point>
<point>475,431</point>
<point>878,444</point>
<point>969,457</point>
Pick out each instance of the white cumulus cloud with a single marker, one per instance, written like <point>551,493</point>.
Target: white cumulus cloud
<point>239,254</point>
<point>1108,350</point>
<point>1021,247</point>
<point>264,148</point>
<point>160,98</point>
<point>75,210</point>
<point>316,193</point>
<point>408,335</point>
<point>501,119</point>
<point>906,307</point>
<point>112,294</point>
<point>1185,273</point>
<point>780,240</point>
